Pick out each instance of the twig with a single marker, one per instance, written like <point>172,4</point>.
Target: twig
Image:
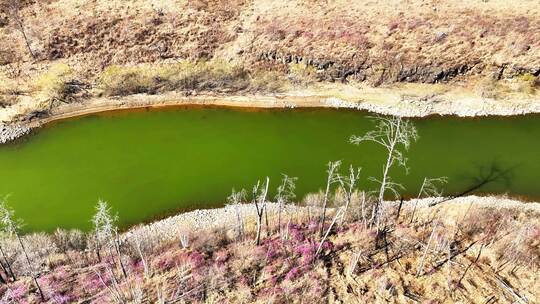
<point>421,267</point>
<point>506,287</point>
<point>468,267</point>
<point>338,214</point>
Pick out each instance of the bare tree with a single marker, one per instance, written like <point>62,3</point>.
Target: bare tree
<point>259,200</point>
<point>184,240</point>
<point>11,226</point>
<point>429,188</point>
<point>13,9</point>
<point>234,200</point>
<point>395,135</point>
<point>349,184</point>
<point>106,232</point>
<point>285,194</point>
<point>332,178</point>
<point>104,226</point>
<point>137,242</point>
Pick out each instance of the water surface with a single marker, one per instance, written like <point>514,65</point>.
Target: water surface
<point>148,164</point>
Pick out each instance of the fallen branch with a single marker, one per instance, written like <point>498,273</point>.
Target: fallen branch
<point>338,214</point>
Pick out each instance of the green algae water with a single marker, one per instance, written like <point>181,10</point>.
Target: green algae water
<point>149,164</point>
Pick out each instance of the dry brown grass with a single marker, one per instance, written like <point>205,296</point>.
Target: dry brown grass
<point>378,41</point>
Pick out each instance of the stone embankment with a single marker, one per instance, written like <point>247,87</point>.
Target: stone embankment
<point>11,132</point>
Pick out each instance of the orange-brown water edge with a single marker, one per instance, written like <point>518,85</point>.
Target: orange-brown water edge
<point>150,163</point>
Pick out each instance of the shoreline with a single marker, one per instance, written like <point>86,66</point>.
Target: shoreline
<point>225,217</point>
<point>403,107</point>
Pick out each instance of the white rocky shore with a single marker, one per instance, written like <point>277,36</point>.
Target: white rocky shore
<point>11,132</point>
<point>415,107</point>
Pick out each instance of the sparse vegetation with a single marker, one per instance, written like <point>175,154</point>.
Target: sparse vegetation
<point>12,10</point>
<point>528,83</point>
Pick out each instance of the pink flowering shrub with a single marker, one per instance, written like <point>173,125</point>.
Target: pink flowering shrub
<point>165,262</point>
<point>61,299</point>
<point>293,273</point>
<point>296,232</point>
<point>221,257</point>
<point>92,283</point>
<point>196,259</point>
<point>17,292</point>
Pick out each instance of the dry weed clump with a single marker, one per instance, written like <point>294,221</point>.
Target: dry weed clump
<point>53,84</point>
<point>302,74</point>
<point>187,76</point>
<point>528,83</point>
<point>488,87</point>
<point>117,81</point>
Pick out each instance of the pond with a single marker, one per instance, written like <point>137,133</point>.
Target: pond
<point>149,164</point>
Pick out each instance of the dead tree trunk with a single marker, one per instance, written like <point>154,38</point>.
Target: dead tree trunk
<point>8,265</point>
<point>259,199</point>
<point>332,177</point>
<point>34,276</point>
<point>14,9</point>
<point>117,248</point>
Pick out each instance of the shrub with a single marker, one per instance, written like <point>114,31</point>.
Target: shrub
<point>267,81</point>
<point>10,89</point>
<point>53,83</point>
<point>183,76</point>
<point>66,240</point>
<point>528,83</point>
<point>487,88</point>
<point>116,80</point>
<point>205,75</point>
